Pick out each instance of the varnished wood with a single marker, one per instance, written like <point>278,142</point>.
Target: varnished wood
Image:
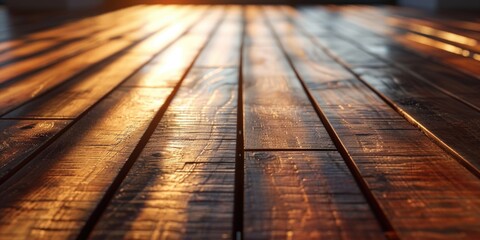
<point>71,99</point>
<point>26,50</point>
<point>19,138</point>
<point>304,195</point>
<point>182,184</point>
<point>452,49</point>
<point>23,90</point>
<point>231,122</point>
<point>451,121</point>
<point>54,194</point>
<point>277,113</point>
<point>443,105</point>
<point>227,41</point>
<point>398,162</point>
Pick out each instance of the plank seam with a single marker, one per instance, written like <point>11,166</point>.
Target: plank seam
<point>239,187</point>
<point>115,186</point>
<point>29,158</point>
<point>88,70</point>
<point>430,135</point>
<point>372,201</point>
<point>290,150</point>
<point>436,60</point>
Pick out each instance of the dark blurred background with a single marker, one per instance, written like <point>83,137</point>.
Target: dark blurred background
<point>37,5</point>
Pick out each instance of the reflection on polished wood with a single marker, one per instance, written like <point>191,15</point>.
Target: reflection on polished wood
<point>231,122</point>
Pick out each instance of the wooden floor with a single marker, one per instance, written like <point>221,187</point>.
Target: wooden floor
<point>254,122</point>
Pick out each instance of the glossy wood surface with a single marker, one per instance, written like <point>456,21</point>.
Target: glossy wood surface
<point>240,122</point>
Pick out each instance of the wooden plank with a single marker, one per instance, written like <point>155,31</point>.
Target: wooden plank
<point>448,52</point>
<point>459,86</point>
<point>432,102</point>
<point>19,138</point>
<point>73,98</point>
<point>77,29</point>
<point>168,68</point>
<point>70,100</point>
<point>304,195</point>
<point>20,25</point>
<point>19,92</point>
<point>187,189</point>
<point>424,192</point>
<point>92,24</point>
<point>454,21</point>
<point>71,181</point>
<point>216,53</point>
<point>26,50</point>
<point>54,194</point>
<point>18,69</point>
<point>454,123</point>
<point>182,184</point>
<point>468,65</point>
<point>427,28</point>
<point>277,112</point>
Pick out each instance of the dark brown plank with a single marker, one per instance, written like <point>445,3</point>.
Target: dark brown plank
<point>445,108</point>
<point>26,50</point>
<point>71,175</point>
<point>298,194</point>
<point>87,26</point>
<point>19,138</point>
<point>70,100</point>
<point>424,192</point>
<point>73,98</point>
<point>454,123</point>
<point>460,21</point>
<point>19,92</point>
<point>304,195</point>
<point>187,189</point>
<point>444,47</point>
<point>182,184</point>
<point>54,194</point>
<point>17,69</point>
<point>277,112</point>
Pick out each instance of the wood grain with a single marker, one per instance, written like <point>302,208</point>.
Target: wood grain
<point>19,92</point>
<point>454,123</point>
<point>277,112</point>
<point>182,184</point>
<point>73,98</point>
<point>87,26</point>
<point>445,46</point>
<point>21,68</point>
<point>432,100</point>
<point>54,194</point>
<point>166,69</point>
<point>19,138</point>
<point>445,79</point>
<point>124,124</point>
<point>304,195</point>
<point>401,166</point>
<point>17,69</point>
